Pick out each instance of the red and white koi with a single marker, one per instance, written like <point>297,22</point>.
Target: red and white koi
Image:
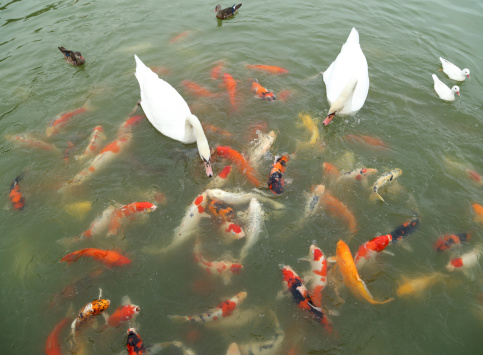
<point>356,174</point>
<point>370,249</point>
<point>231,231</point>
<point>30,141</point>
<point>466,261</point>
<point>56,125</point>
<point>254,222</point>
<point>223,268</point>
<point>260,147</point>
<point>197,90</point>
<point>318,275</point>
<point>225,309</point>
<point>220,179</point>
<point>128,212</point>
<point>242,198</point>
<point>100,225</point>
<point>374,142</point>
<point>95,139</point>
<point>123,313</point>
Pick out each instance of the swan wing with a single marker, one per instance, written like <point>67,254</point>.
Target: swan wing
<point>452,70</point>
<point>441,88</point>
<point>163,105</point>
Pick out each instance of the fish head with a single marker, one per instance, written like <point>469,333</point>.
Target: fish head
<point>315,253</point>
<point>241,296</point>
<point>381,242</point>
<point>145,207</point>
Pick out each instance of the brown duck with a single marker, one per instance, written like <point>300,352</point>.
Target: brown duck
<point>71,57</point>
<point>226,13</point>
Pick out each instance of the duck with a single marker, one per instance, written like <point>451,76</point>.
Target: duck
<point>347,79</point>
<point>169,113</point>
<point>443,91</point>
<point>453,71</point>
<point>226,13</point>
<point>71,57</point>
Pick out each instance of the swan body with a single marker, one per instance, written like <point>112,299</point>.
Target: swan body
<point>169,113</point>
<point>443,91</point>
<point>453,71</point>
<point>347,79</point>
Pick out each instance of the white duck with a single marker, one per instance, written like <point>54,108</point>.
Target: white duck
<point>443,91</point>
<point>347,79</point>
<point>453,71</point>
<point>169,113</point>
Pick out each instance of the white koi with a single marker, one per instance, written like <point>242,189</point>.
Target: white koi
<point>260,147</point>
<point>241,198</point>
<point>255,217</point>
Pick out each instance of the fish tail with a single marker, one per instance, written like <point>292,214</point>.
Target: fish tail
<point>375,197</point>
<point>73,256</point>
<point>382,302</point>
<point>179,319</point>
<point>88,106</point>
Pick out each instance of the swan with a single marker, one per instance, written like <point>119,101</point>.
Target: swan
<point>453,71</point>
<point>443,91</point>
<point>347,79</point>
<point>169,113</point>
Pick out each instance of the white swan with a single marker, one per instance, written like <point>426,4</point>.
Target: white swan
<point>453,71</point>
<point>443,91</point>
<point>169,113</point>
<point>347,79</point>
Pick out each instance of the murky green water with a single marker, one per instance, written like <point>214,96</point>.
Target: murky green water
<point>402,42</point>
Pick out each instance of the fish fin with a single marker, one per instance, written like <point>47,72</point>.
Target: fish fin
<point>178,319</point>
<point>304,259</point>
<point>106,316</point>
<point>333,312</point>
<point>388,252</point>
<point>281,295</point>
<point>406,246</point>
<point>332,259</point>
<point>72,256</point>
<point>375,197</point>
<point>125,300</point>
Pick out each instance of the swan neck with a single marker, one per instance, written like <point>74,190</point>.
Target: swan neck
<point>201,140</point>
<point>344,96</point>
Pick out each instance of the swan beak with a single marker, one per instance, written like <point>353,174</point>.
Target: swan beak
<point>329,118</point>
<point>208,169</point>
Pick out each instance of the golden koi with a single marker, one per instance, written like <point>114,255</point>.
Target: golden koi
<point>86,313</point>
<point>337,208</point>
<point>231,231</point>
<point>348,271</point>
<point>414,287</point>
<point>382,181</point>
<point>311,126</point>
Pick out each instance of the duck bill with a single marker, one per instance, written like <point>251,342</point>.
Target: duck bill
<point>328,119</point>
<point>458,93</point>
<point>209,170</point>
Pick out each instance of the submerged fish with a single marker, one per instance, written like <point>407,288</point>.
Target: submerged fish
<point>109,258</point>
<point>128,212</point>
<point>52,345</point>
<point>275,179</point>
<point>95,139</point>
<point>271,69</point>
<point>30,141</point>
<point>56,125</point>
<point>338,209</point>
<point>415,287</point>
<point>260,147</point>
<point>242,198</point>
<point>254,223</point>
<point>15,195</point>
<point>382,181</point>
<point>448,241</point>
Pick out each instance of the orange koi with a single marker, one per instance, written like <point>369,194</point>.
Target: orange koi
<point>478,209</point>
<point>123,313</point>
<point>30,141</point>
<point>110,258</point>
<point>225,309</point>
<point>348,271</point>
<point>262,92</point>
<point>284,95</point>
<point>15,195</point>
<point>95,139</point>
<point>126,127</point>
<point>179,36</point>
<point>374,142</point>
<point>337,208</point>
<point>370,249</point>
<point>128,212</point>
<point>197,90</point>
<point>52,345</point>
<point>56,125</point>
<point>135,345</point>
<point>87,312</point>
<point>271,69</point>
<point>216,71</point>
<point>330,170</point>
<point>275,179</point>
<point>241,163</point>
<point>230,84</point>
<point>216,130</point>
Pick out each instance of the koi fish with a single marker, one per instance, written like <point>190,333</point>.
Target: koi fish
<point>95,139</point>
<point>223,268</point>
<point>240,162</point>
<point>268,347</point>
<point>109,258</point>
<point>126,127</point>
<point>160,70</point>
<point>231,230</point>
<point>87,312</point>
<point>330,170</point>
<point>465,261</point>
<point>230,84</point>
<point>78,209</point>
<point>100,224</point>
<point>106,156</point>
<point>135,345</point>
<point>220,210</point>
<point>262,92</point>
<point>30,141</point>
<point>15,195</point>
<point>348,271</point>
<point>337,208</point>
<point>356,174</point>
<point>314,201</point>
<point>255,217</point>
<point>52,345</point>
<point>197,90</point>
<point>374,142</point>
<point>284,95</point>
<point>414,287</point>
<point>260,147</point>
<point>275,179</point>
<point>179,37</point>
<point>225,309</point>
<point>370,249</point>
<point>382,181</point>
<point>478,209</point>
<point>311,126</point>
<point>267,68</point>
<point>241,198</point>
<point>293,283</point>
<point>457,168</point>
<point>216,71</point>
<point>123,313</point>
<point>404,229</point>
<point>448,241</point>
<point>216,130</point>
<point>318,275</point>
<point>56,125</point>
<point>220,179</point>
<point>68,151</point>
<point>129,211</point>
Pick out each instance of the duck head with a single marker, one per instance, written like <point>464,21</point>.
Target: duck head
<point>456,89</point>
<point>466,72</point>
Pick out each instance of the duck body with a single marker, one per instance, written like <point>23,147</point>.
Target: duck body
<point>347,79</point>
<point>226,13</point>
<point>453,71</point>
<point>71,57</point>
<point>169,113</point>
<point>443,91</point>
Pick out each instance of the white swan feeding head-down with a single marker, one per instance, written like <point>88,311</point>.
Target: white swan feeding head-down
<point>347,79</point>
<point>169,113</point>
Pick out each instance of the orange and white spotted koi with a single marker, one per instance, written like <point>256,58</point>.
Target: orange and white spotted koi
<point>370,249</point>
<point>223,268</point>
<point>30,141</point>
<point>318,275</point>
<point>231,231</point>
<point>465,261</point>
<point>87,312</point>
<point>242,198</point>
<point>225,309</point>
<point>126,126</point>
<point>56,125</point>
<point>95,139</point>
<point>127,212</point>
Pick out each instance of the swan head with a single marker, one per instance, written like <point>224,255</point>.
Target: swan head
<point>329,118</point>
<point>456,89</point>
<point>466,72</point>
<point>209,170</point>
